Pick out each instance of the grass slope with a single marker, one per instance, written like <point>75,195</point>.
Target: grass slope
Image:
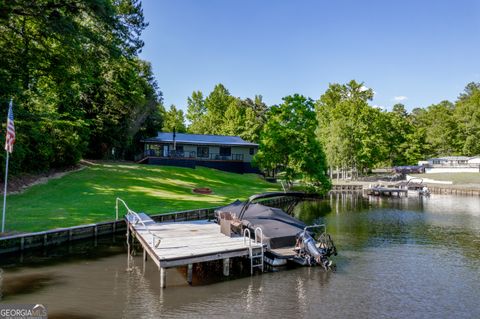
<point>89,195</point>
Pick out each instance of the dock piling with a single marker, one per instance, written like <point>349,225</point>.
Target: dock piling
<point>226,267</point>
<point>144,259</point>
<point>189,273</point>
<point>163,278</point>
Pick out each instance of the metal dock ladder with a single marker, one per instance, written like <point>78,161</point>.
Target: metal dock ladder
<point>256,259</point>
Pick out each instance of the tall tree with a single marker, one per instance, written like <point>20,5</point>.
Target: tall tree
<point>234,119</point>
<point>174,120</point>
<point>440,127</point>
<point>255,118</point>
<point>222,114</point>
<point>404,143</point>
<point>467,116</point>
<point>77,84</point>
<point>196,113</point>
<point>216,104</point>
<point>350,130</point>
<point>288,142</point>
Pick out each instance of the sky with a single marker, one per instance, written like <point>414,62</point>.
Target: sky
<point>415,52</point>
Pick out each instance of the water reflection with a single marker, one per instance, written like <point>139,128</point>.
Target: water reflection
<point>26,283</point>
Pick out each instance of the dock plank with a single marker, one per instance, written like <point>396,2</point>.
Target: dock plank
<point>190,242</point>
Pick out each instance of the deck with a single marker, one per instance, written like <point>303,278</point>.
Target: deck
<point>176,244</point>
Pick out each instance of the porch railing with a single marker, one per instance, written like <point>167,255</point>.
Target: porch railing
<point>220,157</point>
<point>193,154</point>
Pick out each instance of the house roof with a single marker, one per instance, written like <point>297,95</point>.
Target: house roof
<point>199,139</point>
<point>451,158</point>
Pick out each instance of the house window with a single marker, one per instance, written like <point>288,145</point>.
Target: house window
<point>225,151</point>
<point>202,151</point>
<point>252,151</point>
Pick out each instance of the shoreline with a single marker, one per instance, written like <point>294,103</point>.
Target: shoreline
<point>446,187</point>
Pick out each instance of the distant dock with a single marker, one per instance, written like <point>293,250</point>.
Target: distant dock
<point>346,188</point>
<point>369,190</point>
<point>186,243</point>
<point>386,191</point>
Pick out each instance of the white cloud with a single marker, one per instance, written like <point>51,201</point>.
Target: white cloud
<point>364,88</point>
<point>379,107</point>
<point>400,98</point>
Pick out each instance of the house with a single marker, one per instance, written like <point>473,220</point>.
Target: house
<point>227,153</point>
<point>452,164</point>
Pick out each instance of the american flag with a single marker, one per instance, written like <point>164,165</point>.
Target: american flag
<point>10,139</point>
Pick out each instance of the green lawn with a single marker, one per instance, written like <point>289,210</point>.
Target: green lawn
<point>456,178</point>
<point>89,195</point>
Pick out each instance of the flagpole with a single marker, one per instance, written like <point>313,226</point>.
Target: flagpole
<point>9,140</point>
<point>5,194</point>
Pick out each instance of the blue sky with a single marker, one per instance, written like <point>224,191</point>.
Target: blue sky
<point>416,52</point>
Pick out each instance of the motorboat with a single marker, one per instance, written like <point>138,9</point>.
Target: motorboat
<point>287,239</point>
<point>415,186</point>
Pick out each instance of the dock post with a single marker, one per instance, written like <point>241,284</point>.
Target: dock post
<point>189,273</point>
<point>128,248</point>
<point>163,278</point>
<point>144,259</point>
<point>226,266</point>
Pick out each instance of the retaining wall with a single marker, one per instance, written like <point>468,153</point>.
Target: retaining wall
<point>454,191</point>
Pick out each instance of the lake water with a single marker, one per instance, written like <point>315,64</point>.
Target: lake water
<point>398,258</point>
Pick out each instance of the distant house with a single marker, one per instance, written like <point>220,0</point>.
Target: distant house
<point>228,153</point>
<point>452,164</point>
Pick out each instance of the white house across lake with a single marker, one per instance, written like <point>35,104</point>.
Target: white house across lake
<point>452,164</point>
<point>228,153</point>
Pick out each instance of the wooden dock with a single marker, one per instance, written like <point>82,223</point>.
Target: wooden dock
<point>185,243</point>
<point>386,191</point>
<point>346,188</point>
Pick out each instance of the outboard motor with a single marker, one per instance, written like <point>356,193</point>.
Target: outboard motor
<point>308,253</point>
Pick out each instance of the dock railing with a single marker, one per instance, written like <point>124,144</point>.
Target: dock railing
<point>133,219</point>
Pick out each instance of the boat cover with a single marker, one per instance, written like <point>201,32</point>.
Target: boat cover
<point>279,228</point>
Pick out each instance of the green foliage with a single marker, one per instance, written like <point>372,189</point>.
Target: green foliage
<point>48,143</point>
<point>405,142</point>
<point>255,118</point>
<point>196,113</point>
<point>174,120</point>
<point>78,87</point>
<point>358,136</point>
<point>216,104</point>
<point>349,129</point>
<point>440,127</point>
<point>467,115</point>
<point>222,114</point>
<point>288,142</point>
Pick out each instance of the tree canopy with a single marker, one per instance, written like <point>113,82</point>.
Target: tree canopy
<point>358,136</point>
<point>174,120</point>
<point>288,142</point>
<point>77,84</point>
<point>220,113</point>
